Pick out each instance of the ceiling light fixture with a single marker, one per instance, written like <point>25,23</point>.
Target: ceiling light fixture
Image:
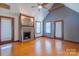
<point>40,7</point>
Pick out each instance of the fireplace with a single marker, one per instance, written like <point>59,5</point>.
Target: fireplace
<point>26,35</point>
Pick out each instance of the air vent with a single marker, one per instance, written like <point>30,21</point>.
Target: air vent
<point>5,6</point>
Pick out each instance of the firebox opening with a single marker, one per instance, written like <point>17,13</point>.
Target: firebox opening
<point>26,35</point>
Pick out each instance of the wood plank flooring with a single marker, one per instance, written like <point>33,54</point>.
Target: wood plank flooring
<point>40,47</point>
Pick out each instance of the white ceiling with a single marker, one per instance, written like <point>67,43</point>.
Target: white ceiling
<point>73,6</point>
<point>25,8</point>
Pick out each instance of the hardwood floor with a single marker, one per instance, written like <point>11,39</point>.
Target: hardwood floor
<point>40,47</point>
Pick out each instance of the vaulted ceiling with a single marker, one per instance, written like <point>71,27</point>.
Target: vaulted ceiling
<point>39,15</point>
<point>26,8</point>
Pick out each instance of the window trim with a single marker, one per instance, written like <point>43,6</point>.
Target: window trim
<point>36,27</point>
<point>50,27</point>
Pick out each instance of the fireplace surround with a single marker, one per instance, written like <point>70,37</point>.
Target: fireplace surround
<point>26,31</point>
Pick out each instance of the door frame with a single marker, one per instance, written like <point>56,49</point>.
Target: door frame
<point>62,38</point>
<point>12,29</point>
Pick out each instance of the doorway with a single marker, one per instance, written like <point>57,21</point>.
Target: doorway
<point>6,29</point>
<point>59,29</point>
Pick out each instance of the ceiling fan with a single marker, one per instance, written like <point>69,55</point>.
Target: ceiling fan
<point>40,6</point>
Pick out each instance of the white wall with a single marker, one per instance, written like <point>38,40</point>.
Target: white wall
<point>12,13</point>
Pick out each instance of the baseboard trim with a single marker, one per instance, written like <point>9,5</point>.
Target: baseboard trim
<point>48,37</point>
<point>67,40</point>
<point>5,42</point>
<point>62,39</point>
<point>38,36</point>
<point>71,41</point>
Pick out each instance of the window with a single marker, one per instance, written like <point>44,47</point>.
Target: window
<point>48,27</point>
<point>38,27</point>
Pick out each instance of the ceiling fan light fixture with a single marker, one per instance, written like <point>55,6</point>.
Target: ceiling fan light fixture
<point>40,7</point>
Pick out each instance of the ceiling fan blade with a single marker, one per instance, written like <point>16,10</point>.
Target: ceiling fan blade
<point>44,4</point>
<point>45,7</point>
<point>39,4</point>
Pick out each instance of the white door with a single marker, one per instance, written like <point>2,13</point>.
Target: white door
<point>58,29</point>
<point>6,33</point>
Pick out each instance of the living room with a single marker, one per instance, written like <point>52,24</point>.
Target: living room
<point>39,29</point>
